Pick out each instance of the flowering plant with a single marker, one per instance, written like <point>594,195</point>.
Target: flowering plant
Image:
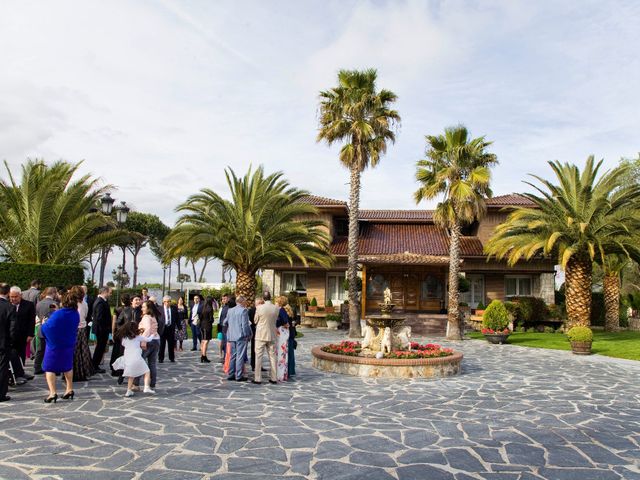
<point>490,331</point>
<point>343,348</point>
<point>429,350</point>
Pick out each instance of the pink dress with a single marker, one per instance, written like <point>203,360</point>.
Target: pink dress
<point>282,354</point>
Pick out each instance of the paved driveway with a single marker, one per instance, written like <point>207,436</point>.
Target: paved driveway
<point>514,413</point>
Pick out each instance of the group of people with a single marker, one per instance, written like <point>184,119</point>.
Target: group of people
<point>53,327</point>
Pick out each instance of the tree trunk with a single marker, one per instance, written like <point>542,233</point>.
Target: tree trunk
<point>195,275</point>
<point>352,265</point>
<point>578,291</point>
<point>246,285</point>
<point>135,268</point>
<point>124,258</point>
<point>454,330</point>
<point>611,287</point>
<point>201,277</point>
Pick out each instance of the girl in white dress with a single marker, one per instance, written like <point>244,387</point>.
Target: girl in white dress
<point>132,362</point>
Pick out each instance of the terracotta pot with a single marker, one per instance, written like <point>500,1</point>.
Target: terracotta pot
<point>330,309</point>
<point>479,313</point>
<point>496,338</point>
<point>313,309</point>
<point>581,348</point>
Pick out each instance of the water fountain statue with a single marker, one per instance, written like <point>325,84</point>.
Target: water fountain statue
<point>389,336</point>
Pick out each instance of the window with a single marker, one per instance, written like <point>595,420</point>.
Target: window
<point>341,227</point>
<point>475,295</point>
<point>517,286</point>
<point>294,282</point>
<point>335,287</point>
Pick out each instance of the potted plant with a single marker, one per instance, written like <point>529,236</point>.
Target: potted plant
<point>333,321</point>
<point>479,311</point>
<point>581,339</point>
<point>495,321</point>
<point>328,306</point>
<point>313,306</point>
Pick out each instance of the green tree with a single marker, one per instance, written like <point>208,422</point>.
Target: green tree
<point>358,116</point>
<point>456,169</point>
<point>584,217</point>
<point>263,223</point>
<point>144,228</point>
<point>51,215</point>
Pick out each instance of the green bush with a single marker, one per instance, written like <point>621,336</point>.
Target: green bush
<point>531,330</point>
<point>557,311</point>
<point>333,317</point>
<point>531,309</point>
<point>21,274</point>
<point>513,309</point>
<point>580,334</point>
<point>521,329</point>
<point>314,302</point>
<point>549,330</point>
<point>463,284</point>
<point>480,306</point>
<point>496,316</point>
<point>328,303</point>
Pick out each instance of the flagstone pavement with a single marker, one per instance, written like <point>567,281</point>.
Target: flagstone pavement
<point>513,413</point>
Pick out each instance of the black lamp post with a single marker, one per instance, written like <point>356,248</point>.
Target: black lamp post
<point>122,212</point>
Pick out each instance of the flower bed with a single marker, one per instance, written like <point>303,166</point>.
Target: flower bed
<point>353,349</point>
<point>490,331</point>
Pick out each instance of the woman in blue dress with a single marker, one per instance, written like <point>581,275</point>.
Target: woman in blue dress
<point>60,332</point>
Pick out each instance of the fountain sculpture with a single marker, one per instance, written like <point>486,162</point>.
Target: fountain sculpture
<point>390,335</point>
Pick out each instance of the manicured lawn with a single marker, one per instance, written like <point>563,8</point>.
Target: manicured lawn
<point>619,345</point>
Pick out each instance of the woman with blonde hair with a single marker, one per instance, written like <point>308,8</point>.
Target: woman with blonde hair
<point>282,341</point>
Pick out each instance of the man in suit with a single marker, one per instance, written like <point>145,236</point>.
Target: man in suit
<point>136,306</point>
<point>238,335</point>
<point>265,320</point>
<point>196,312</point>
<point>168,338</point>
<point>7,324</point>
<point>252,320</point>
<point>101,317</point>
<point>33,294</point>
<point>44,308</point>
<point>25,322</point>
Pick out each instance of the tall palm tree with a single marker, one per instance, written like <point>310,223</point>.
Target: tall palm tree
<point>612,267</point>
<point>51,218</point>
<point>456,169</point>
<point>355,114</point>
<point>262,224</point>
<point>581,219</point>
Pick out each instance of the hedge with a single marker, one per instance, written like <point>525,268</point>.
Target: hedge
<point>21,274</point>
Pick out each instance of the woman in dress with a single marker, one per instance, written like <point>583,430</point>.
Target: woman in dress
<point>181,331</point>
<point>292,341</point>
<point>132,362</point>
<point>149,327</point>
<point>206,328</point>
<point>60,332</point>
<point>82,364</point>
<point>282,340</point>
<point>122,315</point>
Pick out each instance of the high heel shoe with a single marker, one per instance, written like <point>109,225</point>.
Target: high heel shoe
<point>68,395</point>
<point>201,358</point>
<point>205,359</point>
<point>53,399</point>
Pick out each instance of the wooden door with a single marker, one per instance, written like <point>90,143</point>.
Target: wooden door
<point>397,290</point>
<point>411,292</point>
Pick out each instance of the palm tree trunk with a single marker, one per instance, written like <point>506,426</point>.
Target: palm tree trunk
<point>611,287</point>
<point>454,331</point>
<point>352,262</point>
<point>201,277</point>
<point>578,291</point>
<point>246,285</point>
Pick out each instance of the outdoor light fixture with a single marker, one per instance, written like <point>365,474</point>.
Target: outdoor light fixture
<point>106,203</point>
<point>122,212</point>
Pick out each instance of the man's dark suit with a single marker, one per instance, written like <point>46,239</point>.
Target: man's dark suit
<point>7,324</point>
<point>195,330</point>
<point>101,317</point>
<point>25,326</point>
<point>252,316</point>
<point>168,336</point>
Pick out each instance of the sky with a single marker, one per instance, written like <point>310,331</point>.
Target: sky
<point>159,97</point>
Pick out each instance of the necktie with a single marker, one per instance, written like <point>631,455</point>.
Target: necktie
<point>167,315</point>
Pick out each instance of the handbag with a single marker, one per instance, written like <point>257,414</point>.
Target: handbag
<point>196,320</point>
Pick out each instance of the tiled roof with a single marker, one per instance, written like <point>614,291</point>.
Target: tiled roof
<point>396,215</point>
<point>512,199</point>
<point>405,238</point>
<point>322,201</point>
<point>405,259</point>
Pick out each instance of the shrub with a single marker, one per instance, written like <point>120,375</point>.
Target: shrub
<point>531,330</point>
<point>314,302</point>
<point>480,306</point>
<point>557,311</point>
<point>463,304</point>
<point>463,284</point>
<point>21,274</point>
<point>531,309</point>
<point>328,303</point>
<point>549,330</point>
<point>333,317</point>
<point>580,334</point>
<point>521,329</point>
<point>513,309</point>
<point>495,316</point>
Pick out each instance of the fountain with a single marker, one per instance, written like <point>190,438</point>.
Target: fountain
<point>387,352</point>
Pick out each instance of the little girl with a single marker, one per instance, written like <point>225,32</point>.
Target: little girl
<point>132,362</point>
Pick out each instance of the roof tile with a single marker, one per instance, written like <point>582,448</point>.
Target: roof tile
<point>322,201</point>
<point>512,199</point>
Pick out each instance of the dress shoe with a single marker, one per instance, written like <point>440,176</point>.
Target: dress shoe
<point>257,383</point>
<point>264,369</point>
<point>160,361</point>
<point>231,379</point>
<point>69,395</point>
<point>29,377</point>
<point>273,382</point>
<point>100,370</point>
<point>242,379</point>
<point>53,399</point>
<point>6,398</point>
<point>172,361</point>
<point>21,381</point>
<point>120,380</point>
<point>193,349</point>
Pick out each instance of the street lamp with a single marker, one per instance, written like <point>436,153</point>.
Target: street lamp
<point>122,211</point>
<point>121,277</point>
<point>106,203</point>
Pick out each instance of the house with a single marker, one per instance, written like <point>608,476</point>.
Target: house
<point>407,252</point>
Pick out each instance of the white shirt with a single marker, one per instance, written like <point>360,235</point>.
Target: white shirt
<point>167,315</point>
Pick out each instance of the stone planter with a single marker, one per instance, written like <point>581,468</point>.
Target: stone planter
<point>330,309</point>
<point>331,325</point>
<point>634,324</point>
<point>496,338</point>
<point>581,348</point>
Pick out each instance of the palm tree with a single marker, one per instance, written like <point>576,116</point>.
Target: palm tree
<point>355,114</point>
<point>262,224</point>
<point>612,267</point>
<point>456,168</point>
<point>581,219</point>
<point>51,218</point>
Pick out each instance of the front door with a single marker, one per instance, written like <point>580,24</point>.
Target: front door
<point>411,292</point>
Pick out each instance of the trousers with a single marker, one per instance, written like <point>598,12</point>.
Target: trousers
<point>270,347</point>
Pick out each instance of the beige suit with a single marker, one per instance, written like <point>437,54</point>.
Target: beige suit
<point>265,320</point>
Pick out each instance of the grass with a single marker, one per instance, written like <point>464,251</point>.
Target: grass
<point>618,345</point>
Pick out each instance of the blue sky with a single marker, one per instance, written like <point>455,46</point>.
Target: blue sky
<point>159,97</point>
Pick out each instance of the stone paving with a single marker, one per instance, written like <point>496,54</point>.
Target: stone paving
<point>514,413</point>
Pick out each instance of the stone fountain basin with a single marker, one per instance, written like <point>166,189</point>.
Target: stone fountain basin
<point>437,367</point>
<point>384,321</point>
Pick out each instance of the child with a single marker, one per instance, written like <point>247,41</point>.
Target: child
<point>132,362</point>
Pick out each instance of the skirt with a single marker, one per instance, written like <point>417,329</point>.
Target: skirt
<point>282,354</point>
<point>181,333</point>
<point>132,366</point>
<point>82,364</point>
<point>206,330</point>
<point>58,360</point>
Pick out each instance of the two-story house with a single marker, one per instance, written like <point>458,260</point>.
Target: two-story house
<point>407,252</point>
